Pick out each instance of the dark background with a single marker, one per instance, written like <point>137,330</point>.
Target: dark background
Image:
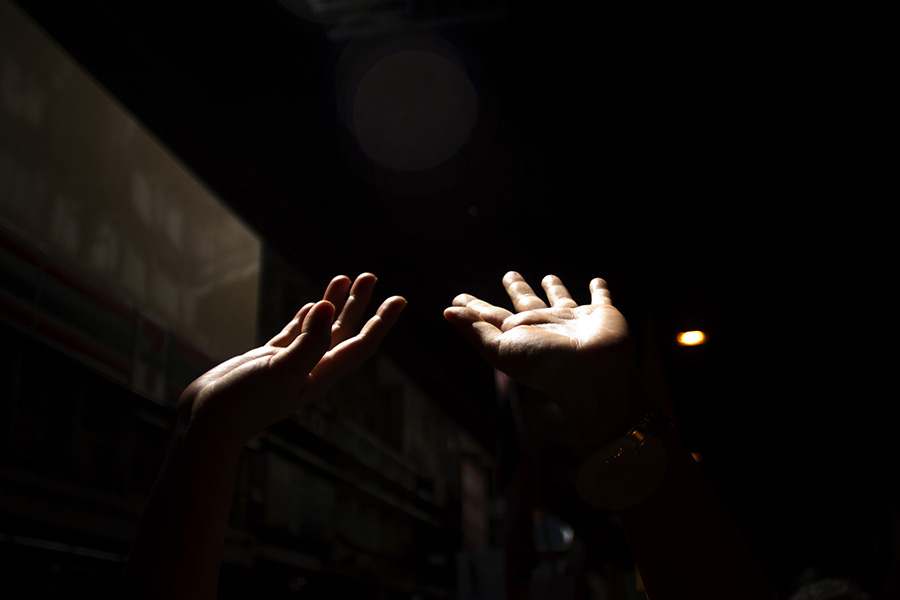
<point>716,167</point>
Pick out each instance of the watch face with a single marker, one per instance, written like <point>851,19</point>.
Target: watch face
<point>625,477</point>
<point>654,422</point>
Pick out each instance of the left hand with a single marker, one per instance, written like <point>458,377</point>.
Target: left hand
<point>582,356</point>
<point>236,400</point>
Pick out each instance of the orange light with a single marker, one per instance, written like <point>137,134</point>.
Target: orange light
<point>691,338</point>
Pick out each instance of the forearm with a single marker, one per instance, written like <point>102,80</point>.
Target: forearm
<point>685,542</point>
<point>178,546</point>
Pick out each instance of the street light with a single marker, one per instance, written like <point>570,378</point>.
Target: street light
<point>691,338</point>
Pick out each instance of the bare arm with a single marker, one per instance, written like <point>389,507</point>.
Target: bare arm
<point>684,541</point>
<point>178,546</point>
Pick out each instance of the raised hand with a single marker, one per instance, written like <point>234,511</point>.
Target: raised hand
<point>178,546</point>
<point>240,397</point>
<point>580,355</point>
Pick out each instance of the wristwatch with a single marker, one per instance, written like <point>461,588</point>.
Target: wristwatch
<point>627,471</point>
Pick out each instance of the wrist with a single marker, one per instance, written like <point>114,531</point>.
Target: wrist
<point>599,415</point>
<point>209,440</point>
<point>629,470</point>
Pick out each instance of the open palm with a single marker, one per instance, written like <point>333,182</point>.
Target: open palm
<point>580,355</point>
<point>323,342</point>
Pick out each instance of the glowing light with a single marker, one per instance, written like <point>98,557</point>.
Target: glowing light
<point>697,456</point>
<point>691,338</point>
<point>568,534</point>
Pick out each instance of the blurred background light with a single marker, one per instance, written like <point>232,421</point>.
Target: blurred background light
<point>410,104</point>
<point>691,338</point>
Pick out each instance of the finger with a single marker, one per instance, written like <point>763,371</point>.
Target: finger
<point>483,336</point>
<point>521,294</point>
<point>485,310</point>
<point>291,330</point>
<point>538,317</point>
<point>299,358</point>
<point>364,344</point>
<point>351,315</point>
<point>557,293</point>
<point>599,292</point>
<point>336,292</point>
<point>351,353</point>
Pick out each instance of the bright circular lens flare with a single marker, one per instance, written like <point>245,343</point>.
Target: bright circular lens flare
<point>691,338</point>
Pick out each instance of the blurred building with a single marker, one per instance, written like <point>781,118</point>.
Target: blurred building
<point>121,280</point>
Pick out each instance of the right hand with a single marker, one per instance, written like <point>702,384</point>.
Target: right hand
<point>239,398</point>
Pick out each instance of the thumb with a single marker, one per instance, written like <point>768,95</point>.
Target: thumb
<point>480,334</point>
